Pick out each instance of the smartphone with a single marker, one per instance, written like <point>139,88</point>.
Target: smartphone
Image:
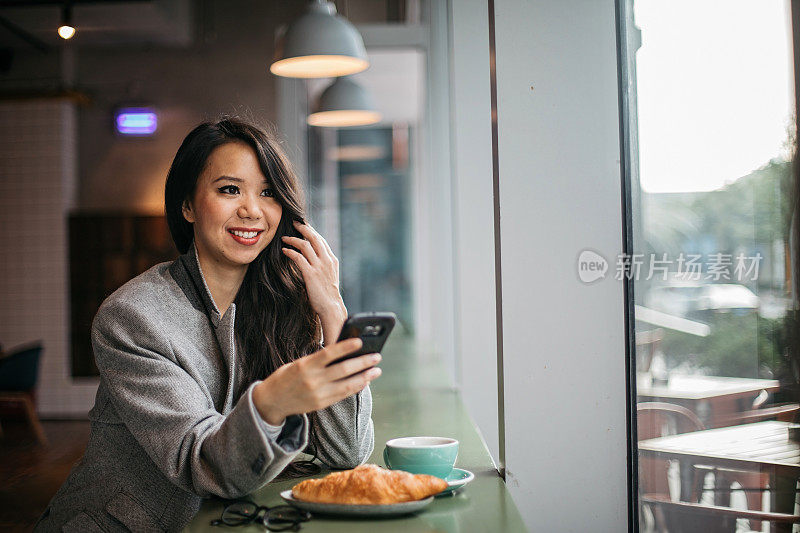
<point>373,328</point>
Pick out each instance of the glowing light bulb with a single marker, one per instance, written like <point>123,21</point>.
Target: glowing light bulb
<point>66,32</point>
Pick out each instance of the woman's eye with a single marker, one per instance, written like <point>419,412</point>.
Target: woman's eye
<point>229,189</point>
<point>268,192</point>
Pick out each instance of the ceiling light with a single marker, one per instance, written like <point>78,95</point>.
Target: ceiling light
<point>66,30</point>
<point>320,44</point>
<point>344,103</point>
<point>136,121</point>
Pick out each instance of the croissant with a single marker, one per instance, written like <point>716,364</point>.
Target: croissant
<point>368,485</point>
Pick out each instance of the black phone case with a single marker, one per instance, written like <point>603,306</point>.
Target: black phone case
<point>354,327</point>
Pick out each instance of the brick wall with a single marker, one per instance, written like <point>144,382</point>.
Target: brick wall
<point>38,185</point>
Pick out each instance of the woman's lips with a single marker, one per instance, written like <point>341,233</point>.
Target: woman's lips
<point>245,237</point>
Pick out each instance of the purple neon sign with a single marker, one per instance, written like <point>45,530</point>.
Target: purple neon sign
<point>136,121</point>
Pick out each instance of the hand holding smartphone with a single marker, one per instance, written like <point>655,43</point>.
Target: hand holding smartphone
<point>372,328</point>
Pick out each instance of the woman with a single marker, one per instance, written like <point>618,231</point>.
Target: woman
<point>207,385</point>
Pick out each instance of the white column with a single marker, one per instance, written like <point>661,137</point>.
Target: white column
<point>432,220</point>
<point>473,215</point>
<point>560,192</point>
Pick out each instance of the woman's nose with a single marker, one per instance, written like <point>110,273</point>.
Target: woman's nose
<point>249,208</point>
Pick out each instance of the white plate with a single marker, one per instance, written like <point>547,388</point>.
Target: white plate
<point>357,510</point>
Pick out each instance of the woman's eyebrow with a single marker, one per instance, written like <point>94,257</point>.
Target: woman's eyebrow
<point>229,178</point>
<point>237,180</point>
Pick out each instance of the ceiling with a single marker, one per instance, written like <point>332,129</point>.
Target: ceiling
<point>32,24</point>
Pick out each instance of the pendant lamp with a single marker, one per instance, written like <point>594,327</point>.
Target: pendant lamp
<point>320,44</point>
<point>66,30</point>
<point>344,103</point>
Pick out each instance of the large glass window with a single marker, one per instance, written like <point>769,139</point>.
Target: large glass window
<point>360,184</point>
<point>710,137</point>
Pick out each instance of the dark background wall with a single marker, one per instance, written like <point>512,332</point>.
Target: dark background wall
<point>225,70</point>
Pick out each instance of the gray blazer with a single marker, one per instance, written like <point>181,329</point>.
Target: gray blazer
<point>174,421</point>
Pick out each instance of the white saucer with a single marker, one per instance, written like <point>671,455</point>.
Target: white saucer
<point>457,479</point>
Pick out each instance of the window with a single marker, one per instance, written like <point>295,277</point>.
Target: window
<point>710,135</point>
<point>360,181</point>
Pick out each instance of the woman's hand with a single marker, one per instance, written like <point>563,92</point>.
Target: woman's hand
<point>320,270</point>
<point>309,384</point>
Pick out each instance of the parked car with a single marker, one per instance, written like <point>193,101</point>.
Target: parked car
<point>727,298</point>
<point>688,300</point>
<point>673,299</point>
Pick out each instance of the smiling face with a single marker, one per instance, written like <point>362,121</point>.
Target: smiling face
<point>233,209</point>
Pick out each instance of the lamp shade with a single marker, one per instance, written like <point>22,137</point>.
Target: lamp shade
<point>344,103</point>
<point>320,44</point>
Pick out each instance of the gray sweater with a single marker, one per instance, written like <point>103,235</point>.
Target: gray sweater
<point>174,420</point>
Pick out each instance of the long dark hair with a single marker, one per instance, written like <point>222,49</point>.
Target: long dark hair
<point>275,323</point>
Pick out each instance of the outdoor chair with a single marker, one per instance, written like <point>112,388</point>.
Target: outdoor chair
<point>659,419</point>
<point>687,517</point>
<point>755,482</point>
<point>762,410</point>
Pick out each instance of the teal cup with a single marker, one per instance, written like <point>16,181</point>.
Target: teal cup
<point>422,455</point>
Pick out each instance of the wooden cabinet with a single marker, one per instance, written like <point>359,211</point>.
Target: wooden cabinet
<point>105,251</point>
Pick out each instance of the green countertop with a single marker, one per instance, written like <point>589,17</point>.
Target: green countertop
<point>410,399</point>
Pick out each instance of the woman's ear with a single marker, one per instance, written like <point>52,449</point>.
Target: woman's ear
<point>186,209</point>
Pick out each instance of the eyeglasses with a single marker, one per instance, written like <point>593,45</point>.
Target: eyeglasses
<point>278,518</point>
